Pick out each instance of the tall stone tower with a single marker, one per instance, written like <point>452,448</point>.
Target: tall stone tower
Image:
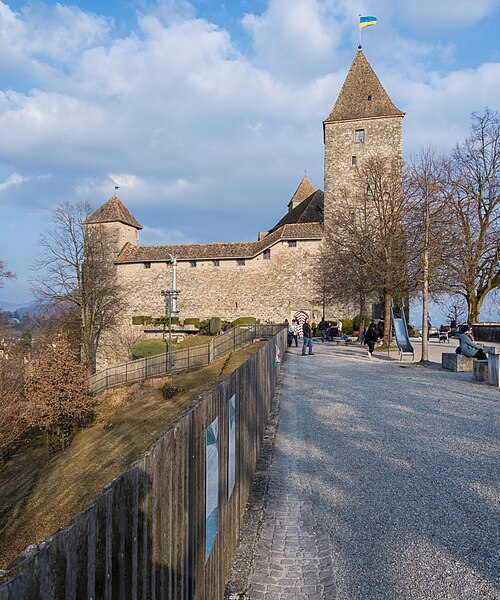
<point>364,122</point>
<point>117,224</point>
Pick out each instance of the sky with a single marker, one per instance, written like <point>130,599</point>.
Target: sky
<point>207,114</point>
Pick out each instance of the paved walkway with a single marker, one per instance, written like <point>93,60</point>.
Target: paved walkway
<point>384,483</point>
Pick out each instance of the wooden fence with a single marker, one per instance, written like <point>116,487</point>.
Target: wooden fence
<point>145,536</point>
<point>189,358</point>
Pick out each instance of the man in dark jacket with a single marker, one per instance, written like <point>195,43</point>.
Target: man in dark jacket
<point>323,329</point>
<point>307,333</point>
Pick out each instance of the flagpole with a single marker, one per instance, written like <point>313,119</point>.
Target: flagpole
<point>359,22</point>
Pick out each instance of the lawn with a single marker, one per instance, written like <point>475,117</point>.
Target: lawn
<point>154,346</point>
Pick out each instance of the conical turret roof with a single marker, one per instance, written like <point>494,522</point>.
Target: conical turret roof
<point>113,211</point>
<point>362,96</point>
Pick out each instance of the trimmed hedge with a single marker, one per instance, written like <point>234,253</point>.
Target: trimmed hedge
<point>244,321</point>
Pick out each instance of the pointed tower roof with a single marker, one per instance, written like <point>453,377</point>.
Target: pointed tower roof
<point>304,190</point>
<point>113,211</point>
<point>362,96</point>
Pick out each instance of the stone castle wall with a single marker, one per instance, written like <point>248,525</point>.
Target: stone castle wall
<point>270,290</point>
<point>383,137</point>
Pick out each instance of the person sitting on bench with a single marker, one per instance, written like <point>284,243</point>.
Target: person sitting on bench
<point>467,345</point>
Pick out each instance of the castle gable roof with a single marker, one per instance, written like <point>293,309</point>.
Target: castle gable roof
<point>362,96</point>
<point>113,211</point>
<point>219,250</point>
<point>310,210</point>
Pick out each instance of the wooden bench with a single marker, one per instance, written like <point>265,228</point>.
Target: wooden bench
<point>451,361</point>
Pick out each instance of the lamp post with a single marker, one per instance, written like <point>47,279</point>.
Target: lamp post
<point>170,299</point>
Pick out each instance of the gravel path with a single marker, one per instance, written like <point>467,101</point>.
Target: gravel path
<point>384,483</point>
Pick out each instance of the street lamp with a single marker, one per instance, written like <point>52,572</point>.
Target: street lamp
<point>170,299</point>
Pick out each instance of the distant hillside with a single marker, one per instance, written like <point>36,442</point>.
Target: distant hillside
<point>21,309</point>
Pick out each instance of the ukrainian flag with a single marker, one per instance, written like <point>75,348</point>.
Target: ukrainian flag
<point>367,21</point>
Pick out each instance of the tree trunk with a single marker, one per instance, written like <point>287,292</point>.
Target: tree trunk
<point>387,318</point>
<point>425,286</point>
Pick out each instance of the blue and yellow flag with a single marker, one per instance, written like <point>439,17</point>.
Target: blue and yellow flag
<point>367,21</point>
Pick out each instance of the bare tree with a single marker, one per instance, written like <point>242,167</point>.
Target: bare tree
<point>425,185</point>
<point>76,268</point>
<point>12,421</point>
<point>366,252</point>
<point>4,274</point>
<point>474,213</point>
<point>454,309</point>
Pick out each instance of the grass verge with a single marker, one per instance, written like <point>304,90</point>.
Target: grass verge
<point>40,494</point>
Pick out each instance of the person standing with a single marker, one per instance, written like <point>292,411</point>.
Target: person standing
<point>307,342</point>
<point>323,329</point>
<point>339,326</point>
<point>371,338</point>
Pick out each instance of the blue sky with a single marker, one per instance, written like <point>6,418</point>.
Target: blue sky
<point>207,114</point>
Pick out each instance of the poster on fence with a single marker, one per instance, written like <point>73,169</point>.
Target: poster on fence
<point>231,462</point>
<point>277,355</point>
<point>211,485</point>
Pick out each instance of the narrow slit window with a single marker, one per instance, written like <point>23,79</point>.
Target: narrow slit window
<point>354,161</point>
<point>267,254</point>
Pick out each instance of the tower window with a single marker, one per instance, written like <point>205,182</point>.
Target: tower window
<point>359,136</point>
<point>354,161</point>
<point>192,263</point>
<point>369,97</point>
<point>267,254</point>
<point>240,262</point>
<point>216,263</point>
<point>292,243</point>
<point>147,265</point>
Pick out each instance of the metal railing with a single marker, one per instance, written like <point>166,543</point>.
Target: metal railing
<point>182,360</point>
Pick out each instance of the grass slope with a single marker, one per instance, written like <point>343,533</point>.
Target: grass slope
<point>40,494</point>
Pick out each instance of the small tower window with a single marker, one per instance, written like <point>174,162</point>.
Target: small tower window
<point>147,265</point>
<point>369,97</point>
<point>359,137</point>
<point>292,243</point>
<point>192,263</point>
<point>216,263</point>
<point>354,161</point>
<point>267,254</point>
<point>240,262</point>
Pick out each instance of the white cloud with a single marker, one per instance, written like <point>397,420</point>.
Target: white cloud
<point>11,180</point>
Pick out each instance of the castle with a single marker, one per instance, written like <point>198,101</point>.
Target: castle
<point>272,278</point>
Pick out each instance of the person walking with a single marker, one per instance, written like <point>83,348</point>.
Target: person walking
<point>294,331</point>
<point>307,342</point>
<point>323,329</point>
<point>371,338</point>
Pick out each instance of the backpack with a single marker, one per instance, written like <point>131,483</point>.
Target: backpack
<point>458,350</point>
